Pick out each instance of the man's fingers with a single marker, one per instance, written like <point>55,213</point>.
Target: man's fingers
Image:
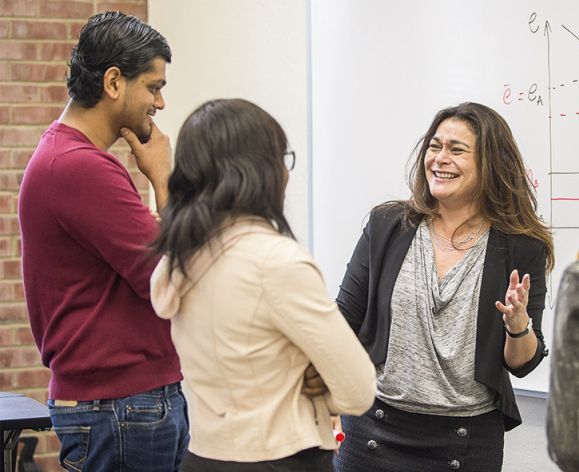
<point>156,215</point>
<point>131,139</point>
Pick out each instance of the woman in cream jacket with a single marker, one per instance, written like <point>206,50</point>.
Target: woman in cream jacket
<point>248,306</point>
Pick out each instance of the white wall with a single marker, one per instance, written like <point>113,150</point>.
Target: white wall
<point>251,49</point>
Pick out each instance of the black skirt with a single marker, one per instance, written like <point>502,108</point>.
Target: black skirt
<point>314,460</point>
<point>386,439</point>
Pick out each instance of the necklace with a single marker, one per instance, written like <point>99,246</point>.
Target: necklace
<point>448,245</point>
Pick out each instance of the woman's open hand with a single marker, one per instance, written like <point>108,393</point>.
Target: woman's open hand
<point>515,308</point>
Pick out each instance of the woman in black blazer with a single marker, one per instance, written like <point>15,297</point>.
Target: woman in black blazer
<point>446,292</point>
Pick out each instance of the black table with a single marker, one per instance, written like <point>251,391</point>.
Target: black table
<point>18,412</point>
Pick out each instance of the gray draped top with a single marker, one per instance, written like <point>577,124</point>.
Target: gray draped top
<point>430,363</point>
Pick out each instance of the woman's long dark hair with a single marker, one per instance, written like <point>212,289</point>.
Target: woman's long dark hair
<point>228,164</point>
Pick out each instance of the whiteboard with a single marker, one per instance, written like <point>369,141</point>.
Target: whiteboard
<point>380,71</point>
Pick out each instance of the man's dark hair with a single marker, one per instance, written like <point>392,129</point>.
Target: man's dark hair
<point>111,39</point>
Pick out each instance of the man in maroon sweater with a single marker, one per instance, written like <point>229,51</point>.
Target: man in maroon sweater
<point>115,399</point>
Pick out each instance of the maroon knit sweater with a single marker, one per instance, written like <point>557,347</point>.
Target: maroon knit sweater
<point>86,272</point>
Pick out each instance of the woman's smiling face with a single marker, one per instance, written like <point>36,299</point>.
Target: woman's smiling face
<point>450,164</point>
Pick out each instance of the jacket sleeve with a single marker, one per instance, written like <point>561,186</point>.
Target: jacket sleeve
<point>301,309</point>
<point>352,298</point>
<point>96,203</point>
<point>531,259</point>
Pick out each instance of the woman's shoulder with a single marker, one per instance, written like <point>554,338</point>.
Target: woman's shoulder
<point>390,209</point>
<point>522,248</point>
<point>278,251</point>
<point>288,264</point>
<point>522,242</point>
<point>270,249</point>
<point>390,214</point>
<point>283,249</point>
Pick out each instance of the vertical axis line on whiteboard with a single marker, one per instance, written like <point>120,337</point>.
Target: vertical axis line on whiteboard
<point>546,33</point>
<point>547,28</point>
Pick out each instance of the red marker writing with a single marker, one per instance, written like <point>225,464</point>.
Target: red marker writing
<point>339,435</point>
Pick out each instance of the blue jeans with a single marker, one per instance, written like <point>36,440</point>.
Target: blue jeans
<point>148,432</point>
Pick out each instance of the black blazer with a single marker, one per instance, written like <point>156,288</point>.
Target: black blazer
<point>366,291</point>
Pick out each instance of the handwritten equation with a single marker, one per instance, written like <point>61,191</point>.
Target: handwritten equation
<point>563,185</point>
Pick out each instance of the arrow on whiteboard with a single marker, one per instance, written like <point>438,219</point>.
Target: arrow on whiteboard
<point>548,29</point>
<point>576,37</point>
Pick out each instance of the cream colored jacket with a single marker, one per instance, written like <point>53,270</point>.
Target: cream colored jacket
<point>246,324</point>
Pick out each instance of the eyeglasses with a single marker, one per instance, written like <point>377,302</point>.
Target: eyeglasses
<point>289,159</point>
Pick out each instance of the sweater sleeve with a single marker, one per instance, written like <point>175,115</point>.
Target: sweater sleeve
<point>532,260</point>
<point>95,201</point>
<point>301,309</point>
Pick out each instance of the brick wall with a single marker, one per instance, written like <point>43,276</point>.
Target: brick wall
<point>35,41</point>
